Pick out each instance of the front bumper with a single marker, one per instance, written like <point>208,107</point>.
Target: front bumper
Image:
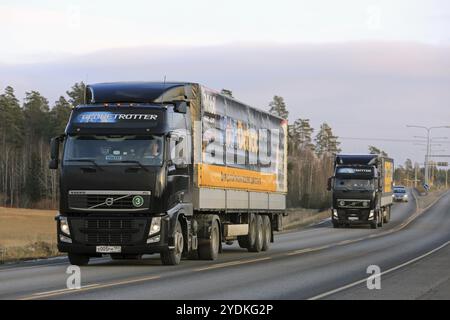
<point>352,216</point>
<point>91,250</point>
<point>131,233</point>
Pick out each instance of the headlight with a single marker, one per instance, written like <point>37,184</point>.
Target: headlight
<point>366,203</point>
<point>154,239</point>
<point>155,226</point>
<point>342,203</point>
<point>63,238</point>
<point>405,196</point>
<point>64,225</point>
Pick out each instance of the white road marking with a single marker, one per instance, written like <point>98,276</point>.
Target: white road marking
<point>348,286</point>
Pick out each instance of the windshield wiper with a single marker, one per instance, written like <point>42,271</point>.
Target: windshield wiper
<point>85,160</point>
<point>130,161</point>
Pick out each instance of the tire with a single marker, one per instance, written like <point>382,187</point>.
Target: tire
<point>248,241</point>
<point>374,224</point>
<point>173,257</point>
<point>380,219</point>
<point>243,242</point>
<point>259,237</point>
<point>78,259</point>
<point>267,233</point>
<point>208,249</point>
<point>387,218</point>
<point>336,225</point>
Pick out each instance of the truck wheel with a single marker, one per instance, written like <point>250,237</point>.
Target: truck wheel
<point>267,233</point>
<point>257,247</point>
<point>387,218</point>
<point>173,256</point>
<point>380,219</point>
<point>78,259</point>
<point>208,249</point>
<point>248,241</point>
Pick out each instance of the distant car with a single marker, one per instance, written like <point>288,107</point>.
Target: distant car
<point>400,194</point>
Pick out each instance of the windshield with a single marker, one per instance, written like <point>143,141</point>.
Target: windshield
<point>399,191</point>
<point>354,184</point>
<point>104,150</point>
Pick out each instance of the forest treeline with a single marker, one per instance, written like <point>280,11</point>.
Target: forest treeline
<point>25,132</point>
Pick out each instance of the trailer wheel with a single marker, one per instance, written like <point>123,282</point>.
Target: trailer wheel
<point>387,218</point>
<point>259,238</point>
<point>78,259</point>
<point>173,257</point>
<point>248,241</point>
<point>208,249</point>
<point>267,233</point>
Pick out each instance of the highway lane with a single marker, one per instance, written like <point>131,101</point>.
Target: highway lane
<point>300,264</point>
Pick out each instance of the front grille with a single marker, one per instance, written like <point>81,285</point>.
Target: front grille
<point>109,200</point>
<point>107,231</point>
<point>108,238</point>
<point>353,203</point>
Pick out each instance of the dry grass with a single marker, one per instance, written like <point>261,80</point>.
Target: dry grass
<point>27,233</point>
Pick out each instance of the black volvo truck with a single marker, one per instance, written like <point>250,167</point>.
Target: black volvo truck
<point>170,168</point>
<point>361,190</point>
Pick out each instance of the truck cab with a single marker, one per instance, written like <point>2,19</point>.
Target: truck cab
<point>124,176</point>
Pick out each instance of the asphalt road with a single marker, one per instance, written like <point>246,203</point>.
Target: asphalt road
<point>316,262</point>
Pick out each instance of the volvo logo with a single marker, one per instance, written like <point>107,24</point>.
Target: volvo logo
<point>109,201</point>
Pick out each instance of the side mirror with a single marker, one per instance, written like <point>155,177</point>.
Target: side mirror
<point>53,164</point>
<point>181,106</point>
<point>54,153</point>
<point>329,183</point>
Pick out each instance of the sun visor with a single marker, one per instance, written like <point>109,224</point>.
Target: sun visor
<point>143,120</point>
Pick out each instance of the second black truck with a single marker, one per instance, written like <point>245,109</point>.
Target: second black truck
<point>362,187</point>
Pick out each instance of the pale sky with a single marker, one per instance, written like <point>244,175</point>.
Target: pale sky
<point>43,30</point>
<point>366,67</point>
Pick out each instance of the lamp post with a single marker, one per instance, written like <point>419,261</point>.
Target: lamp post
<point>428,129</point>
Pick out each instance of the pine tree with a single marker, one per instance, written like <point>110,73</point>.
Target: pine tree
<point>76,94</point>
<point>278,107</point>
<point>59,115</point>
<point>375,150</point>
<point>301,134</point>
<point>11,125</point>
<point>326,141</point>
<point>36,112</point>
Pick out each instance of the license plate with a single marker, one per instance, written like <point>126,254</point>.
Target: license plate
<point>353,218</point>
<point>109,249</point>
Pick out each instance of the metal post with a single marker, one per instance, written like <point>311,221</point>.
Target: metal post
<point>446,178</point>
<point>415,175</point>
<point>427,156</point>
